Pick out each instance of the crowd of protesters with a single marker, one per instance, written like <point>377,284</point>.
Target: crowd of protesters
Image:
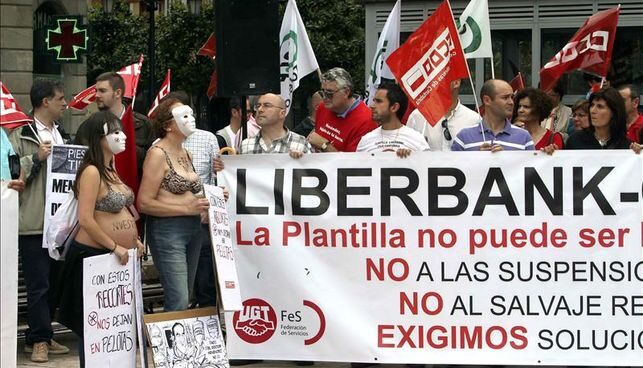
<point>175,160</point>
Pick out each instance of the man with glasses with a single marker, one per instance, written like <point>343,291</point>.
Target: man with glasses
<point>440,136</point>
<point>634,120</point>
<point>494,132</point>
<point>343,118</point>
<point>388,107</point>
<point>274,137</point>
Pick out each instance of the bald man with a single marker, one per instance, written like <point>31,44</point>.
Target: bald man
<point>495,132</point>
<point>274,137</point>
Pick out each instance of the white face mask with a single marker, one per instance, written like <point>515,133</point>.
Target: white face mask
<point>115,141</point>
<point>184,119</point>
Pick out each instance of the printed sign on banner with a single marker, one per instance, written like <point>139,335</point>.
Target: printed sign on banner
<point>187,339</point>
<point>110,311</point>
<point>511,258</point>
<point>222,249</point>
<point>9,275</point>
<point>62,166</point>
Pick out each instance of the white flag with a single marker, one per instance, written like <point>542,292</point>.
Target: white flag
<point>296,56</point>
<point>475,32</point>
<point>389,41</point>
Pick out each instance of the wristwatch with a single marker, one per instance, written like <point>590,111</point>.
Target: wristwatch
<point>324,146</point>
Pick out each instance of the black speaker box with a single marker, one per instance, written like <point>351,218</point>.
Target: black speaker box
<point>247,33</point>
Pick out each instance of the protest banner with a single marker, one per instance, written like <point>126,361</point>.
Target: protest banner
<point>110,311</point>
<point>62,166</point>
<point>222,249</point>
<point>9,275</point>
<point>476,258</point>
<point>190,338</point>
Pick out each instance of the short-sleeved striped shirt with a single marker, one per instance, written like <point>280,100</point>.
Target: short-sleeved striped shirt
<point>511,138</point>
<point>289,142</point>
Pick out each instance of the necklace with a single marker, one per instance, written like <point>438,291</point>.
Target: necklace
<point>602,142</point>
<point>397,133</point>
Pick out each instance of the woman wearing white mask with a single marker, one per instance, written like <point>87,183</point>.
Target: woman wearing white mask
<point>171,194</point>
<point>106,223</point>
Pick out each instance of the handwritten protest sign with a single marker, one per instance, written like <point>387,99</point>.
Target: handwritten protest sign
<point>222,249</point>
<point>62,166</point>
<point>110,311</point>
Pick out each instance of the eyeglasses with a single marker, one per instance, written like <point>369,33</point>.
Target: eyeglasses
<point>447,133</point>
<point>267,105</point>
<point>328,94</point>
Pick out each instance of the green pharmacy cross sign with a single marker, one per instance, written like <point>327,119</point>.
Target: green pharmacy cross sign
<point>68,38</point>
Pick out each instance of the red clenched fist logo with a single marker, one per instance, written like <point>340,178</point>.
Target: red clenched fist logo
<point>256,323</point>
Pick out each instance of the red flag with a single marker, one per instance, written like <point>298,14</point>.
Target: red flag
<point>165,89</point>
<point>83,99</point>
<point>209,48</point>
<point>212,88</point>
<point>428,61</point>
<point>130,74</point>
<point>126,165</point>
<point>589,50</point>
<point>11,116</point>
<point>517,83</point>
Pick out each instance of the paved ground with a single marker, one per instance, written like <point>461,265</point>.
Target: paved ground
<point>71,360</point>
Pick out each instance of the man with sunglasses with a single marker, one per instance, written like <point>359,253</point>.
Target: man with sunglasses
<point>440,136</point>
<point>343,118</point>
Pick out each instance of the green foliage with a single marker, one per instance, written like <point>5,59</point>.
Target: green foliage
<point>336,32</point>
<point>335,29</point>
<point>117,39</point>
<point>179,35</point>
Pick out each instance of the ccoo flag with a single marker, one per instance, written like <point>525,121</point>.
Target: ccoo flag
<point>427,63</point>
<point>163,91</point>
<point>474,30</point>
<point>296,56</point>
<point>389,41</point>
<point>589,50</point>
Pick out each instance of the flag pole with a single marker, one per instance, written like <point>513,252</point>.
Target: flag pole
<point>493,71</point>
<point>473,88</point>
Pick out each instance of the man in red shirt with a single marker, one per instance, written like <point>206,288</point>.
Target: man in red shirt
<point>343,118</point>
<point>630,95</point>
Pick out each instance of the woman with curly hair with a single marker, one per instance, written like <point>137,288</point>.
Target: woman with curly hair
<point>531,106</point>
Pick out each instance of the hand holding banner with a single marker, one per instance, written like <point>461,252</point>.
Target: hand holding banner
<point>428,61</point>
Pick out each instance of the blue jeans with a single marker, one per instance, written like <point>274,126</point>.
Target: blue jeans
<point>175,243</point>
<point>37,272</point>
<point>205,289</point>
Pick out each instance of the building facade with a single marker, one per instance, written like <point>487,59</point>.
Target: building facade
<point>526,33</point>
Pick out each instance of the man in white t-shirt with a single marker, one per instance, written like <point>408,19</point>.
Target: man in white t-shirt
<point>387,108</point>
<point>440,136</point>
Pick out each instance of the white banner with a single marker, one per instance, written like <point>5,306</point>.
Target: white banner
<point>475,31</point>
<point>222,249</point>
<point>110,311</point>
<point>388,42</point>
<point>9,275</point>
<point>62,166</point>
<point>296,56</point>
<point>441,258</point>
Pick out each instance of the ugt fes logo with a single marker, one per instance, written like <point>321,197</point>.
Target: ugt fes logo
<point>256,323</point>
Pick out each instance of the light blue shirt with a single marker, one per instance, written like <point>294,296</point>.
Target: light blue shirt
<point>5,150</point>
